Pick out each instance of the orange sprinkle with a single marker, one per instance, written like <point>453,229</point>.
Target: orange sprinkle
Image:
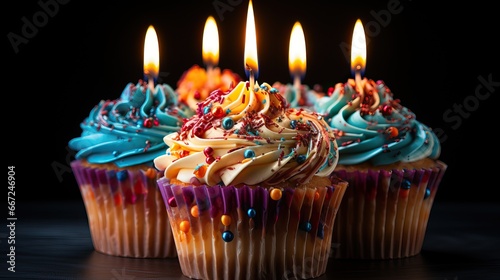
<point>184,226</point>
<point>275,194</point>
<point>200,171</point>
<point>246,160</point>
<point>150,173</point>
<point>195,211</point>
<point>316,195</point>
<point>392,131</point>
<point>226,220</point>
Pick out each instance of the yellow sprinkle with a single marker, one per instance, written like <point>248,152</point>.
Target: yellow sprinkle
<point>195,211</point>
<point>226,220</point>
<point>184,226</point>
<point>246,160</point>
<point>275,194</point>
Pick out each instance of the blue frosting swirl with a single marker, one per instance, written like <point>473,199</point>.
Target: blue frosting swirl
<point>374,127</point>
<point>129,130</point>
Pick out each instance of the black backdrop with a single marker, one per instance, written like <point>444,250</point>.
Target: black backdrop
<point>63,56</point>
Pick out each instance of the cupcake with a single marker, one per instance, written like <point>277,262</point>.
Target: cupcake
<point>114,169</point>
<point>247,189</point>
<point>391,162</point>
<point>196,83</point>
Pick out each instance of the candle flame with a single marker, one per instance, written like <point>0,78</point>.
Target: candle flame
<point>250,62</point>
<point>358,48</point>
<point>211,43</point>
<point>297,51</point>
<point>151,54</point>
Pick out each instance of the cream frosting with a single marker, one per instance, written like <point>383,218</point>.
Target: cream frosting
<point>372,126</point>
<point>129,130</point>
<point>249,136</point>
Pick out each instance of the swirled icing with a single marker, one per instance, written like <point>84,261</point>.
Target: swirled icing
<point>372,126</point>
<point>249,136</point>
<point>129,130</point>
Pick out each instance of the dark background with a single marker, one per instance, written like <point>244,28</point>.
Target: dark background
<point>432,57</point>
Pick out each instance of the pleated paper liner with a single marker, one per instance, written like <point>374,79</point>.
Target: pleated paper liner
<point>384,214</point>
<point>228,232</point>
<point>125,211</point>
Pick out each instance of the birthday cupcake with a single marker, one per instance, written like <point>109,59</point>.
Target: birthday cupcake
<point>391,162</point>
<point>114,170</point>
<point>196,83</point>
<point>247,189</point>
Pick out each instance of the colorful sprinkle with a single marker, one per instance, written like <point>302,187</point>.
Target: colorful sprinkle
<point>150,173</point>
<point>226,220</point>
<point>301,159</point>
<point>227,236</point>
<point>148,123</point>
<point>249,153</point>
<point>275,194</point>
<point>405,184</point>
<point>392,131</point>
<point>195,211</point>
<point>427,193</point>
<point>208,151</point>
<point>316,195</point>
<point>171,202</point>
<point>251,212</point>
<point>293,124</point>
<point>305,226</point>
<point>200,170</point>
<point>206,110</point>
<point>218,112</point>
<point>227,123</point>
<point>184,226</point>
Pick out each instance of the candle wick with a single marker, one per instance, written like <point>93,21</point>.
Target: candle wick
<point>151,84</point>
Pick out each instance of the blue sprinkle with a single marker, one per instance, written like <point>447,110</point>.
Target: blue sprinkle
<point>227,123</point>
<point>227,236</point>
<point>273,90</point>
<point>249,153</point>
<point>116,153</point>
<point>228,111</point>
<point>427,193</point>
<point>264,87</point>
<point>264,101</point>
<point>251,212</point>
<point>405,185</point>
<point>293,124</point>
<point>121,175</point>
<point>206,110</point>
<point>282,138</point>
<point>301,159</point>
<point>321,231</point>
<point>305,226</point>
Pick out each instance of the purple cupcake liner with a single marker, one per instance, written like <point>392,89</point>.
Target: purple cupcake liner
<point>228,232</point>
<point>125,211</point>
<point>384,214</point>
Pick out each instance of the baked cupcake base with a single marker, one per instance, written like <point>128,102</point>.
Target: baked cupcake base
<point>125,211</point>
<point>253,232</point>
<point>384,212</point>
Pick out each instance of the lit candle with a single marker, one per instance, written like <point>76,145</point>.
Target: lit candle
<point>250,60</point>
<point>297,56</point>
<point>210,48</point>
<point>151,58</point>
<point>358,56</point>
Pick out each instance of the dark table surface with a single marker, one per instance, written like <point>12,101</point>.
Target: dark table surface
<point>52,241</point>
